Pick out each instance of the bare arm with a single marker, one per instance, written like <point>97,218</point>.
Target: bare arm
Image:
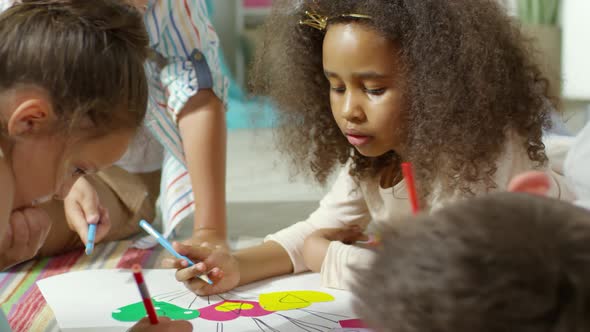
<point>228,271</point>
<point>263,261</point>
<point>22,231</point>
<point>283,253</point>
<point>203,130</point>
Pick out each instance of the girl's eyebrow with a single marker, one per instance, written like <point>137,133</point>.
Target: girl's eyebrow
<point>330,74</point>
<point>370,75</point>
<point>361,75</point>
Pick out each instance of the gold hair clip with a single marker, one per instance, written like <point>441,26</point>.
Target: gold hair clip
<point>320,22</point>
<point>315,21</point>
<point>357,16</point>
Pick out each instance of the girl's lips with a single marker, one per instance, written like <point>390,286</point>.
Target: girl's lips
<point>358,140</point>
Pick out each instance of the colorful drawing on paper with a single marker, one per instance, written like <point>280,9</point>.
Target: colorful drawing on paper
<point>290,300</point>
<point>275,304</point>
<point>136,311</point>
<point>290,303</point>
<point>229,310</point>
<point>264,309</point>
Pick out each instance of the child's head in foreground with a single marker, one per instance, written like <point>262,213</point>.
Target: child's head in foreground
<point>439,83</point>
<point>504,262</point>
<point>72,90</point>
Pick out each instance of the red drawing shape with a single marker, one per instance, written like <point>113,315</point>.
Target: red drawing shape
<point>352,323</point>
<point>233,310</point>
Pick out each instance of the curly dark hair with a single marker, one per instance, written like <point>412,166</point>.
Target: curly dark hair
<point>501,262</point>
<point>468,75</point>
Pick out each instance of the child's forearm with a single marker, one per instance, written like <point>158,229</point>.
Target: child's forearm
<point>203,130</point>
<point>263,261</point>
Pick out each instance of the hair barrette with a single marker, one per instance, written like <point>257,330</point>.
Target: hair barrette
<point>320,22</point>
<point>315,21</point>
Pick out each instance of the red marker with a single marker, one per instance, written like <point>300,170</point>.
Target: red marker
<point>145,295</point>
<point>409,177</point>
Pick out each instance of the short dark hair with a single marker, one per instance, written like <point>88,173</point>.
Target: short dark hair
<point>88,56</point>
<point>503,262</point>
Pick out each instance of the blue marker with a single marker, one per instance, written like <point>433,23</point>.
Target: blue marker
<point>90,241</point>
<point>151,231</point>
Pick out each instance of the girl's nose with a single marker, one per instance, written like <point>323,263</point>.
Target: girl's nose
<point>352,110</point>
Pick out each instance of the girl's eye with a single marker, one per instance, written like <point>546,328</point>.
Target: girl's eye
<point>338,89</point>
<point>376,92</point>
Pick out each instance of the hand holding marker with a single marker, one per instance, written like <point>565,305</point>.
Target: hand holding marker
<point>151,231</point>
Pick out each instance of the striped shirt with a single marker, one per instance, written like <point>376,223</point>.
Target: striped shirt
<point>180,31</point>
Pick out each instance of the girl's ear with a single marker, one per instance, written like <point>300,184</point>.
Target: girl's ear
<point>31,116</point>
<point>532,182</point>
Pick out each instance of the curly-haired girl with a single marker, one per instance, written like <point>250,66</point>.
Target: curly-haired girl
<point>448,85</point>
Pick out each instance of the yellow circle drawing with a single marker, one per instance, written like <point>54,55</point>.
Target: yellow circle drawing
<point>233,306</point>
<point>289,300</point>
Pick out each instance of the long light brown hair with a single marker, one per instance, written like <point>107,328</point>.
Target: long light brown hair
<point>87,56</point>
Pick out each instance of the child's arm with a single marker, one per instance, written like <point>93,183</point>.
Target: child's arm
<point>269,254</point>
<point>282,252</point>
<point>317,243</point>
<point>336,260</point>
<point>228,271</point>
<point>339,261</point>
<point>26,233</point>
<point>21,232</point>
<point>194,89</point>
<point>203,130</point>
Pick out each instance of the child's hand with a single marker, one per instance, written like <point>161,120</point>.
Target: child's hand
<point>317,243</point>
<point>82,207</point>
<point>221,266</point>
<point>164,325</point>
<point>209,236</point>
<point>25,235</point>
